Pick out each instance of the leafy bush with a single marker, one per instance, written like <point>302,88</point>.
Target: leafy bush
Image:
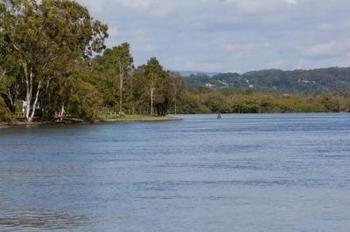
<point>84,100</point>
<point>5,114</point>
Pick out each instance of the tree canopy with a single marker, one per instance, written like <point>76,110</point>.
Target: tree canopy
<point>53,58</point>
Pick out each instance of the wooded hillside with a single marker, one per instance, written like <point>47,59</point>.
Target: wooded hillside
<point>319,81</point>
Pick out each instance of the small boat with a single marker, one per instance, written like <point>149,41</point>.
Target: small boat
<point>219,116</point>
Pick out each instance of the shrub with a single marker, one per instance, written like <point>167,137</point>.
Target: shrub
<point>5,114</point>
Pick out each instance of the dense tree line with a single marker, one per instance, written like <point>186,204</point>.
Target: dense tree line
<point>53,58</point>
<point>268,91</point>
<point>204,100</point>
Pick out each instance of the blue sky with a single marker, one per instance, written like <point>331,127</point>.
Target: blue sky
<point>230,35</point>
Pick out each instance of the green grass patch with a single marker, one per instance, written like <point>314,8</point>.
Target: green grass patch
<point>135,118</point>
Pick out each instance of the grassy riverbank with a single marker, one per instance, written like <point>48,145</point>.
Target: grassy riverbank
<point>137,118</point>
<point>102,119</point>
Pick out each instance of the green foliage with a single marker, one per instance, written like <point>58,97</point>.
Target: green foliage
<point>49,59</point>
<point>157,80</point>
<point>46,39</point>
<point>84,100</point>
<point>5,114</point>
<point>114,68</point>
<point>255,102</point>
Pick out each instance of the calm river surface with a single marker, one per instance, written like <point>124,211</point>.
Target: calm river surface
<point>243,173</point>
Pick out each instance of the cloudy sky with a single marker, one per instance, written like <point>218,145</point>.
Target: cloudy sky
<point>230,35</point>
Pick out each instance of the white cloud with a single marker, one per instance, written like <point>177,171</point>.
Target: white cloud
<point>292,2</point>
<point>136,3</point>
<point>322,49</point>
<point>230,35</point>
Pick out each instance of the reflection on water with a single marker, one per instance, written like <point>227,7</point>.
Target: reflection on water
<point>242,173</point>
<point>41,219</point>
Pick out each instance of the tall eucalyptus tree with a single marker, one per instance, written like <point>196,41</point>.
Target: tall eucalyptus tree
<point>45,38</point>
<point>120,61</point>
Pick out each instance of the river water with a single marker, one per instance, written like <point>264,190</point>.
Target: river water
<point>243,173</point>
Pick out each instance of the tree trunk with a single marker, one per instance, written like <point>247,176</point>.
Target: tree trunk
<point>121,95</point>
<point>132,96</point>
<point>29,90</point>
<point>175,102</point>
<point>121,83</point>
<point>62,112</point>
<point>151,96</point>
<point>35,102</point>
<point>16,98</point>
<point>10,98</point>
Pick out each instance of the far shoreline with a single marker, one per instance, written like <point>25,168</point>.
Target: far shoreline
<point>131,119</point>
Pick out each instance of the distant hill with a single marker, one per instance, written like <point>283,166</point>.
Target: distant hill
<point>190,73</point>
<point>297,81</point>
